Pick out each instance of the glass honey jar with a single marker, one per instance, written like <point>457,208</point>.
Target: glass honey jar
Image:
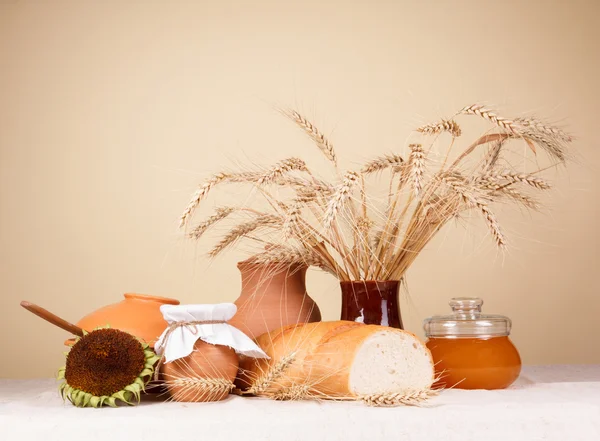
<point>472,350</point>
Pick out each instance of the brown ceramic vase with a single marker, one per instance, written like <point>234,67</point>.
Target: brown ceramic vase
<point>137,314</point>
<point>271,298</point>
<point>207,362</point>
<point>372,302</point>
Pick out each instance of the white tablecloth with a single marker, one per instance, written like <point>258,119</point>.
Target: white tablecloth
<point>547,403</point>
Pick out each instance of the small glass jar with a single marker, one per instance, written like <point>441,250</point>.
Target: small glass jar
<point>472,350</point>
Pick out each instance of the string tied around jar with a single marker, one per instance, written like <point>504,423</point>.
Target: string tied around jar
<point>191,326</point>
<point>189,323</point>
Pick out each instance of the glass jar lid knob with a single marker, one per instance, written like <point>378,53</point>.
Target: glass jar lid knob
<point>466,305</point>
<point>467,320</point>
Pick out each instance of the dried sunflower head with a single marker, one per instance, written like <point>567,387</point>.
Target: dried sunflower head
<point>104,366</point>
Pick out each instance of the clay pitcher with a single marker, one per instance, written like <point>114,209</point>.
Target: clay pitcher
<point>272,297</point>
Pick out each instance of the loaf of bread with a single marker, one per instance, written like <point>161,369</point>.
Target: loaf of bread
<point>339,359</point>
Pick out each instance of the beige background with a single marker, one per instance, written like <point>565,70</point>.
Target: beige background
<point>112,111</point>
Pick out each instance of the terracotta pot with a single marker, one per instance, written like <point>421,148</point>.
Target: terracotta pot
<point>372,302</point>
<point>206,362</point>
<point>272,297</point>
<point>138,314</point>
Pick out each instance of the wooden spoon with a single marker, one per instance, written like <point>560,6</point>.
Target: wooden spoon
<point>52,318</point>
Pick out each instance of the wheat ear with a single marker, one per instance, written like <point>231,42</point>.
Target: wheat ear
<point>201,387</point>
<point>290,256</point>
<point>291,393</point>
<point>542,127</point>
<point>417,167</point>
<point>199,195</point>
<point>492,156</point>
<point>490,115</point>
<point>444,125</point>
<point>280,168</point>
<point>554,147</point>
<point>317,136</point>
<point>267,220</point>
<point>262,383</point>
<point>220,214</point>
<point>335,204</point>
<point>205,188</point>
<point>473,201</point>
<point>498,189</point>
<point>293,216</point>
<point>509,177</point>
<point>517,196</point>
<point>381,163</point>
<point>392,399</point>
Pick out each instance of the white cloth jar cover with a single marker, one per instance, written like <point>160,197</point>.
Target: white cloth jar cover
<point>179,342</point>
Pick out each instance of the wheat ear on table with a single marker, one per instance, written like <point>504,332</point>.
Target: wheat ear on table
<point>404,398</point>
<point>269,378</point>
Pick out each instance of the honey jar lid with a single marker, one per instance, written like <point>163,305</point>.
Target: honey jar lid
<point>467,320</point>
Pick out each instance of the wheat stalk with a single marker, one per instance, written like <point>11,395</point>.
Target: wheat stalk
<point>220,214</point>
<point>292,219</point>
<point>444,125</point>
<point>291,393</point>
<point>404,398</point>
<point>497,189</point>
<point>320,224</point>
<point>351,178</point>
<point>554,147</point>
<point>417,167</point>
<point>205,388</point>
<point>280,168</point>
<point>544,128</point>
<point>199,195</point>
<point>208,185</point>
<point>492,156</point>
<point>381,163</point>
<point>319,139</point>
<point>314,184</point>
<point>473,201</point>
<point>285,257</point>
<point>509,177</point>
<point>519,197</point>
<point>268,379</point>
<point>490,115</point>
<point>243,229</point>
<point>289,255</point>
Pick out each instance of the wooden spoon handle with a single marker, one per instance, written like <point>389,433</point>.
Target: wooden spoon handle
<point>52,318</point>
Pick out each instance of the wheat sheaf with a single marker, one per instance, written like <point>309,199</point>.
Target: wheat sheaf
<point>342,227</point>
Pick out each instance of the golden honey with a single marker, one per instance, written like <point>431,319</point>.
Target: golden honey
<point>475,363</point>
<point>471,350</point>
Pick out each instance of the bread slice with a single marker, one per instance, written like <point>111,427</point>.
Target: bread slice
<point>370,360</point>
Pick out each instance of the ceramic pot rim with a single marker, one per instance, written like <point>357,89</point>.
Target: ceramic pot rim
<point>369,282</point>
<point>248,264</point>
